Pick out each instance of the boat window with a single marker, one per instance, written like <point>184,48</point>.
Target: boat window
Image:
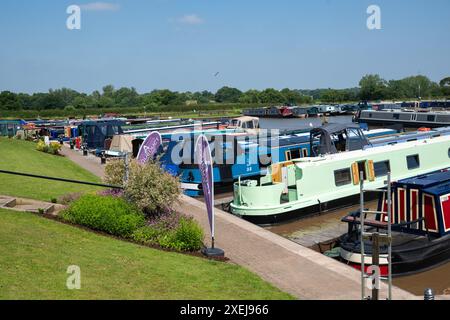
<point>288,155</point>
<point>396,116</point>
<point>250,124</point>
<point>449,152</point>
<point>381,168</point>
<point>342,177</point>
<point>362,168</point>
<point>413,161</point>
<point>305,152</point>
<point>295,153</point>
<point>431,118</point>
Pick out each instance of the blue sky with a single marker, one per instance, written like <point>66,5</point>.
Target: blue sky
<point>181,44</point>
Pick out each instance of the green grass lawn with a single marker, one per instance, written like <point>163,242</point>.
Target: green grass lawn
<point>35,253</point>
<point>22,156</point>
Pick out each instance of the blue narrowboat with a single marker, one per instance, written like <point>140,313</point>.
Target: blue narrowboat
<point>247,156</point>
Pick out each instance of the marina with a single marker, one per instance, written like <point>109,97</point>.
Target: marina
<point>215,158</point>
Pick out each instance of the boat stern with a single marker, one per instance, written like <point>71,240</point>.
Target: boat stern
<point>251,199</point>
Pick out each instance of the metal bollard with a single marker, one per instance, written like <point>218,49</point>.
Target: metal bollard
<point>428,294</point>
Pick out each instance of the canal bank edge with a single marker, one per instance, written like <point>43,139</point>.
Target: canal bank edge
<point>300,271</point>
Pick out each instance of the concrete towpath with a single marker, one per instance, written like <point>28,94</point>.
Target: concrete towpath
<point>90,162</point>
<point>295,269</point>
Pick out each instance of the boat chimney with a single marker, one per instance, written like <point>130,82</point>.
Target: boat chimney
<point>428,294</point>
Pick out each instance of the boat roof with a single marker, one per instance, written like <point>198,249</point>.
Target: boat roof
<point>439,190</point>
<point>334,127</point>
<point>314,161</point>
<point>246,118</point>
<point>428,180</point>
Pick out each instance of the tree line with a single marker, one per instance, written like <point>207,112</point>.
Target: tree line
<point>371,87</point>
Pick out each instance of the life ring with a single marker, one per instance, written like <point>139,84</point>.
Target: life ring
<point>424,129</point>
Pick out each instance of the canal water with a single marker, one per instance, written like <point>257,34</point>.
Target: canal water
<point>297,123</point>
<point>325,227</point>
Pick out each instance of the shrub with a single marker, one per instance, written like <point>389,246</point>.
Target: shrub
<point>53,148</point>
<point>151,188</point>
<point>109,214</point>
<point>41,146</point>
<point>114,172</point>
<point>172,231</point>
<point>188,236</point>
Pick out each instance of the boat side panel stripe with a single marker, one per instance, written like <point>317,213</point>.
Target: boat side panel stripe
<point>445,207</point>
<point>429,211</point>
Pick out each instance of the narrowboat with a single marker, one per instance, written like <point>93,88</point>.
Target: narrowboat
<point>300,112</point>
<point>420,229</point>
<point>303,186</point>
<point>327,110</point>
<point>247,156</point>
<point>95,132</point>
<point>406,118</point>
<point>10,127</point>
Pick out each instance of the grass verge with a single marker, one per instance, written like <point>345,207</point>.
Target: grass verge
<point>36,252</point>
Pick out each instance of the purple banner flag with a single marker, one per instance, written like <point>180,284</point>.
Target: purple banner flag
<point>205,165</point>
<point>149,148</point>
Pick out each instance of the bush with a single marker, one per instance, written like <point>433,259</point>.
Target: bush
<point>115,172</point>
<point>53,148</point>
<point>172,231</point>
<point>41,146</point>
<point>109,214</point>
<point>149,187</point>
<point>187,237</point>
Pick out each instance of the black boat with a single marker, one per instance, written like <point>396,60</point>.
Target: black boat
<point>421,226</point>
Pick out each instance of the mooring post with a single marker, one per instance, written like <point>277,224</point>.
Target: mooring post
<point>428,294</point>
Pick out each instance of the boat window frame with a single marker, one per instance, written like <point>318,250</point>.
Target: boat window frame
<point>410,157</point>
<point>305,152</point>
<point>383,174</point>
<point>342,183</point>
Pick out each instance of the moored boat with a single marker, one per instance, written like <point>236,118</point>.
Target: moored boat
<point>309,185</point>
<point>421,226</point>
<point>247,156</point>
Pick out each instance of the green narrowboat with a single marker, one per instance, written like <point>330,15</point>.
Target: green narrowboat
<point>309,185</point>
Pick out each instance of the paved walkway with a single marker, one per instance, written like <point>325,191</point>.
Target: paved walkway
<point>289,266</point>
<point>295,269</point>
<point>91,163</point>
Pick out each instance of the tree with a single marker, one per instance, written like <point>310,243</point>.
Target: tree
<point>9,101</point>
<point>445,86</point>
<point>250,97</point>
<point>228,95</point>
<point>373,87</point>
<point>271,95</point>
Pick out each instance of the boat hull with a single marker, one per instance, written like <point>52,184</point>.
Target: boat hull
<point>318,208</point>
<point>405,261</point>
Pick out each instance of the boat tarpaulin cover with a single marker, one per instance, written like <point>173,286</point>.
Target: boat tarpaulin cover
<point>122,143</point>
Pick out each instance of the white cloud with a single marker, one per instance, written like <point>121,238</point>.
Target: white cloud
<point>100,6</point>
<point>191,19</point>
